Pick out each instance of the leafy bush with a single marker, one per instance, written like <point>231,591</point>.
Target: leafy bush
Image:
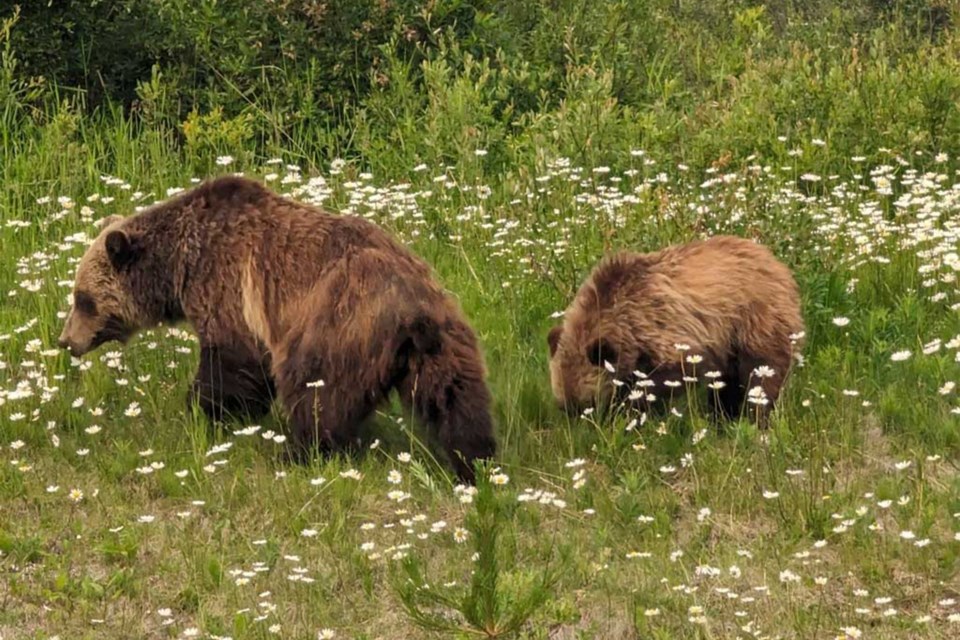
<point>400,81</point>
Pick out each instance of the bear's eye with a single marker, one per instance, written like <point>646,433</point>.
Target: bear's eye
<point>601,351</point>
<point>84,303</point>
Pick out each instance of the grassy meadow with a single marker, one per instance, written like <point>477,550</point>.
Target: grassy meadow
<point>833,137</point>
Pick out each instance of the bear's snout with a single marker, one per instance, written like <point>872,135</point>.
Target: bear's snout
<point>65,344</point>
<point>75,350</point>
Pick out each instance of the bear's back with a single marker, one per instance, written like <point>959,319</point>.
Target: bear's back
<point>722,270</point>
<point>696,291</point>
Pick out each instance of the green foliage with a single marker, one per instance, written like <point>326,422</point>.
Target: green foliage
<point>499,602</point>
<point>211,134</point>
<point>400,82</point>
<point>510,144</point>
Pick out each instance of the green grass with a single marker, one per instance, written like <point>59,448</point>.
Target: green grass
<point>123,515</point>
<point>672,529</point>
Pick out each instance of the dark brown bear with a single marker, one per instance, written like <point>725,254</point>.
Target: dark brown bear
<point>329,311</point>
<point>728,300</point>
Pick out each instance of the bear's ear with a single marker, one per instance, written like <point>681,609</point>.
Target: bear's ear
<point>553,339</point>
<point>601,351</point>
<point>106,221</point>
<point>122,249</point>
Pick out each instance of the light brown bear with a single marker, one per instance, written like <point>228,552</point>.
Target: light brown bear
<point>728,300</point>
<point>329,311</point>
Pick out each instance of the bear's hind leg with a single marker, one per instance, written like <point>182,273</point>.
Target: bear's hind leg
<point>232,382</point>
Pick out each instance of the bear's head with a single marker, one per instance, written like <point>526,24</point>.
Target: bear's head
<point>590,356</point>
<point>583,366</point>
<point>595,349</point>
<point>112,297</point>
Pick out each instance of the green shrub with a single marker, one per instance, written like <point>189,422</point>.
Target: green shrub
<point>398,82</point>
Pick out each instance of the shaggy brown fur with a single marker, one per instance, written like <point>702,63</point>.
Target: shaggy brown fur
<point>283,295</point>
<point>728,298</point>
